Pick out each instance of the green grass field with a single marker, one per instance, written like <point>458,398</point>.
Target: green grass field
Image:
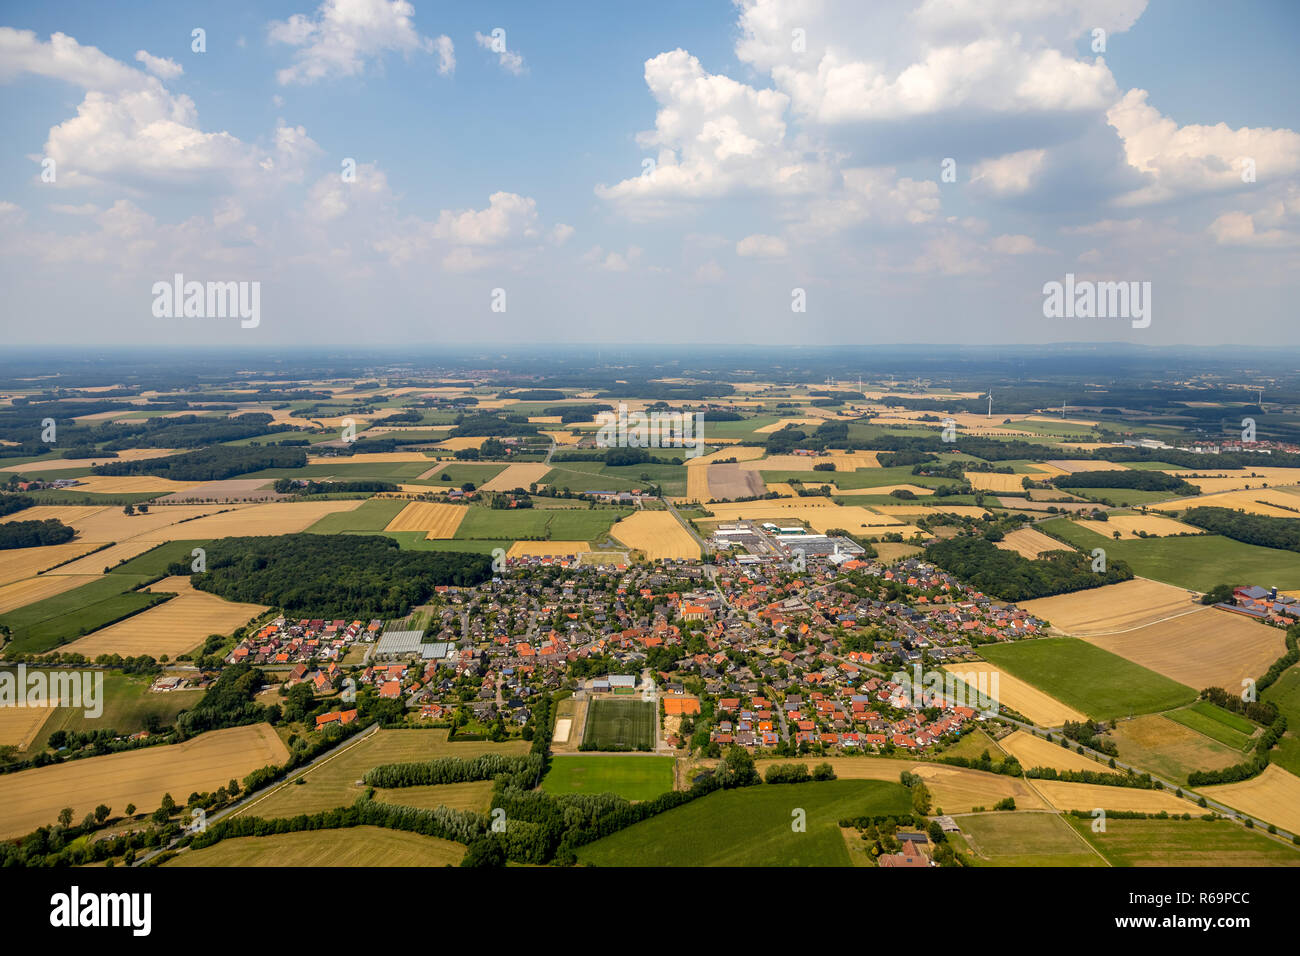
<point>752,827</point>
<point>1124,497</point>
<point>597,476</point>
<point>458,473</point>
<point>1199,562</point>
<point>156,561</point>
<point>635,778</point>
<point>355,846</point>
<point>1098,683</point>
<point>1193,842</point>
<point>615,723</point>
<point>371,515</point>
<point>1206,724</point>
<point>1024,839</point>
<point>555,524</point>
<point>44,625</point>
<point>1285,693</point>
<point>128,707</point>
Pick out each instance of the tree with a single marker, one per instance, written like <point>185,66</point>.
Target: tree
<point>101,813</point>
<point>130,809</point>
<point>129,509</point>
<point>486,851</point>
<point>65,817</point>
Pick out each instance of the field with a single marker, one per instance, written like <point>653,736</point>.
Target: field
<point>110,524</point>
<point>33,798</point>
<point>355,846</point>
<point>1260,501</point>
<point>332,783</point>
<point>561,524</point>
<point>1025,839</point>
<point>1273,796</point>
<point>1212,648</point>
<point>1129,525</point>
<point>516,476</point>
<point>751,827</point>
<point>615,723</point>
<point>43,625</point>
<point>476,795</point>
<point>19,726</point>
<point>1034,751</point>
<point>1254,478</point>
<point>277,517</point>
<point>995,482</point>
<point>17,564</point>
<point>1039,707</point>
<point>373,514</point>
<point>819,513</point>
<point>1216,723</point>
<point>1087,678</point>
<point>1184,843</point>
<point>1169,749</point>
<point>727,481</point>
<point>131,484</point>
<point>1200,562</point>
<point>1029,543</point>
<point>21,593</point>
<point>634,778</point>
<point>436,520</point>
<point>1113,608</point>
<point>172,628</point>
<point>658,534</point>
<point>96,562</point>
<point>129,706</point>
<point>1090,796</point>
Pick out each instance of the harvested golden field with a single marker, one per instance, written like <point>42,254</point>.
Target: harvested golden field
<point>995,481</point>
<point>778,425</point>
<point>1128,526</point>
<point>20,725</point>
<point>1113,608</point>
<point>277,517</point>
<point>516,476</point>
<point>130,484</point>
<point>1075,465</point>
<point>368,458</point>
<point>21,593</point>
<point>68,514</point>
<point>786,490</point>
<point>67,464</point>
<point>1269,502</point>
<point>843,461</point>
<point>1252,478</point>
<point>657,533</point>
<point>954,789</point>
<point>886,489</point>
<point>967,511</point>
<point>562,438</point>
<point>1211,648</point>
<point>110,524</point>
<point>545,549</point>
<point>16,564</point>
<point>439,520</point>
<point>459,444</point>
<point>173,627</point>
<point>1090,796</point>
<point>1273,796</point>
<point>1033,751</point>
<point>1030,543</point>
<point>96,563</point>
<point>697,483</point>
<point>33,798</point>
<point>745,453</point>
<point>355,846</point>
<point>891,551</point>
<point>1041,708</point>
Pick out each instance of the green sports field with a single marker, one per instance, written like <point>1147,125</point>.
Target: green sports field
<point>1098,683</point>
<point>752,826</point>
<point>634,778</point>
<point>614,724</point>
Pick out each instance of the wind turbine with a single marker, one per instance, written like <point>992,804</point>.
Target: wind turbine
<point>990,414</point>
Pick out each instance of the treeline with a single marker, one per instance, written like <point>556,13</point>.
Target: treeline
<point>797,773</point>
<point>1137,480</point>
<point>1243,771</point>
<point>1136,781</point>
<point>295,486</point>
<point>228,703</point>
<point>208,464</point>
<point>34,534</point>
<point>1283,533</point>
<point>346,575</point>
<point>192,431</point>
<point>452,770</point>
<point>1011,577</point>
<point>578,413</point>
<point>9,504</point>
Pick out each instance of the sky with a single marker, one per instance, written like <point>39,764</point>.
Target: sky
<point>409,172</point>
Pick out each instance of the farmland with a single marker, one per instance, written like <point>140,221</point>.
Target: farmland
<point>1169,749</point>
<point>356,846</point>
<point>1020,696</point>
<point>1210,843</point>
<point>631,777</point>
<point>1114,608</point>
<point>1025,839</point>
<point>47,623</point>
<point>1273,796</point>
<point>34,798</point>
<point>1029,543</point>
<point>436,520</point>
<point>656,533</point>
<point>751,827</point>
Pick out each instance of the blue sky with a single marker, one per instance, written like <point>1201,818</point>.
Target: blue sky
<point>778,164</point>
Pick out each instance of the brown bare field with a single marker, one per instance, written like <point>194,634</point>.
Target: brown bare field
<point>1247,501</point>
<point>171,628</point>
<point>130,484</point>
<point>1129,525</point>
<point>1273,796</point>
<point>730,481</point>
<point>1090,796</point>
<point>955,789</point>
<point>95,564</point>
<point>1211,648</point>
<point>1041,708</point>
<point>516,476</point>
<point>1030,543</point>
<point>657,533</point>
<point>1252,478</point>
<point>277,517</point>
<point>33,798</point>
<point>21,593</point>
<point>1112,608</point>
<point>476,796</point>
<point>439,520</point>
<point>994,481</point>
<point>547,549</point>
<point>20,725</point>
<point>1033,751</point>
<point>1075,465</point>
<point>67,464</point>
<point>16,564</point>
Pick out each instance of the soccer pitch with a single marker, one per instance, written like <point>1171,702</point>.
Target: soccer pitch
<point>614,724</point>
